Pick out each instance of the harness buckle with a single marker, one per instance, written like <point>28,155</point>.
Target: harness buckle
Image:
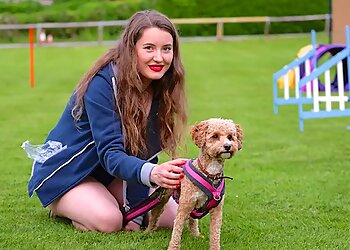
<point>216,196</point>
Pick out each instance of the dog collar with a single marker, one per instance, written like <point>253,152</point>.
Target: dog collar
<point>210,176</point>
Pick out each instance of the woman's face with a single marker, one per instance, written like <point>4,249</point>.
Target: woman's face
<point>154,54</point>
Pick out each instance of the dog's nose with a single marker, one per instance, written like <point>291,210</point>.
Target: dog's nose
<point>227,147</point>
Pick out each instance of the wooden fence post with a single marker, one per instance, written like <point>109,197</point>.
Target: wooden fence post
<point>219,30</point>
<point>100,33</point>
<point>267,26</point>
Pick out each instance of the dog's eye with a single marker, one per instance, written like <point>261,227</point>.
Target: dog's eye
<point>215,136</point>
<point>230,137</point>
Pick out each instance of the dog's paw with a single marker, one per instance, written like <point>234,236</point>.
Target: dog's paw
<point>198,234</point>
<point>201,236</point>
<point>150,229</point>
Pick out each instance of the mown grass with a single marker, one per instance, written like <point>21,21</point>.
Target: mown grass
<point>290,189</point>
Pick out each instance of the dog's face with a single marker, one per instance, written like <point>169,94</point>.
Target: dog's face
<point>219,138</point>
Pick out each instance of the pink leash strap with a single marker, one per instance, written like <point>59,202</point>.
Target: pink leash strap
<point>145,206</point>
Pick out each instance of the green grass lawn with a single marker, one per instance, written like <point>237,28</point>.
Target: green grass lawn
<point>291,190</point>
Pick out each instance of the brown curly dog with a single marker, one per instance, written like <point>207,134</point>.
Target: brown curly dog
<point>218,140</point>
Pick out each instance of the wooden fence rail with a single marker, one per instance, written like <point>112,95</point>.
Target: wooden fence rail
<point>219,21</point>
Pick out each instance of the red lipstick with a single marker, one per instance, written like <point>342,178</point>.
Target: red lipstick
<point>156,67</point>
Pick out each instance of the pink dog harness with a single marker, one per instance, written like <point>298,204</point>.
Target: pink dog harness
<point>214,193</point>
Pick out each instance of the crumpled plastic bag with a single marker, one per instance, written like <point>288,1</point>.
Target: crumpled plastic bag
<point>40,153</point>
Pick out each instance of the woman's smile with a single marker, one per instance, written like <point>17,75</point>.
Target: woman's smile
<point>156,67</point>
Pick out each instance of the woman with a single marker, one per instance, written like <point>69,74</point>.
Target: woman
<point>127,108</point>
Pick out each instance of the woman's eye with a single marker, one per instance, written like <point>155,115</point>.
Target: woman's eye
<point>148,48</point>
<point>167,49</point>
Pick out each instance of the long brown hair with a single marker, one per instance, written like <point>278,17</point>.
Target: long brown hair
<point>170,89</point>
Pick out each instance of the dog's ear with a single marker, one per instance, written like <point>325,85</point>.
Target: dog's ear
<point>239,136</point>
<point>198,133</point>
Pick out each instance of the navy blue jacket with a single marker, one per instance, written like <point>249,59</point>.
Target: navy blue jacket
<point>96,140</point>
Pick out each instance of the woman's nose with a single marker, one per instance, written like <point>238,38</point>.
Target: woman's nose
<point>158,56</point>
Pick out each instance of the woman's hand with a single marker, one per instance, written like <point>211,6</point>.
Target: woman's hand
<point>168,174</point>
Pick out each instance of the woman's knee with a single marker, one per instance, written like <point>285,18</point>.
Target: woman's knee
<point>108,221</point>
<point>90,205</point>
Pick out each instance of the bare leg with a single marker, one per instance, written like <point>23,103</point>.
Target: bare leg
<point>79,226</point>
<point>116,189</point>
<point>90,206</point>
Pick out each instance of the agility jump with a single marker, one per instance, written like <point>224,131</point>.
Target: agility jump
<point>303,82</point>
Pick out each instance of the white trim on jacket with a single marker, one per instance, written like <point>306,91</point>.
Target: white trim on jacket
<point>64,164</point>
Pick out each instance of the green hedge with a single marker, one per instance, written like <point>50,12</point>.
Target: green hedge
<point>96,10</point>
<point>236,8</point>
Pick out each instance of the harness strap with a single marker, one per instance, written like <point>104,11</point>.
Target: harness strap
<point>214,194</point>
<point>203,182</point>
<point>145,206</point>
